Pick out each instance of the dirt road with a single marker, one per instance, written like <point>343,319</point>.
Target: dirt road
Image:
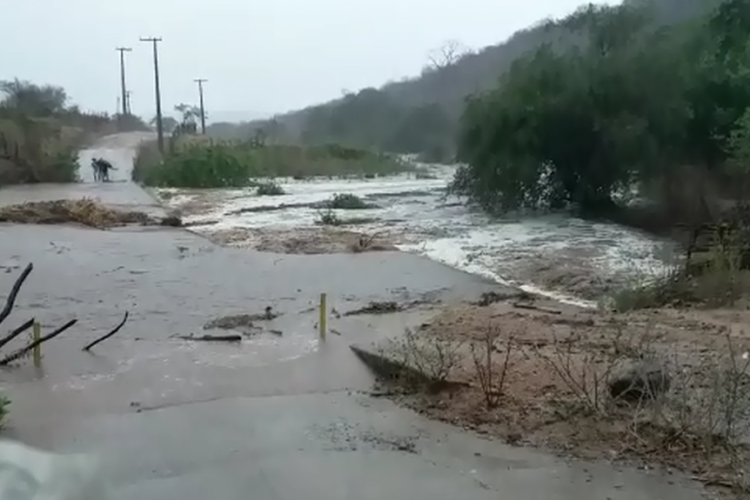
<point>274,417</point>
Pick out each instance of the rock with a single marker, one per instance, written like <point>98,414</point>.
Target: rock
<point>638,380</point>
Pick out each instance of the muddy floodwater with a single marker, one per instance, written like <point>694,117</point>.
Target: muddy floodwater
<point>562,256</point>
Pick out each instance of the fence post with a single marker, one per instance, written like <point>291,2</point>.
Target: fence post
<point>323,316</point>
<point>37,351</point>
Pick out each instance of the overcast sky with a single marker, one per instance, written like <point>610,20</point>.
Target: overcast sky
<point>260,57</point>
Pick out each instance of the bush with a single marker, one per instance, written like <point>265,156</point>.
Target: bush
<point>196,162</point>
<point>269,189</point>
<point>38,150</point>
<point>712,280</point>
<point>347,201</point>
<point>194,165</point>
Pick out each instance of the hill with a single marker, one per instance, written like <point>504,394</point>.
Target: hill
<point>421,114</point>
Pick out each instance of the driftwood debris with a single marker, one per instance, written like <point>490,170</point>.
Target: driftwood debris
<point>211,338</point>
<point>18,331</point>
<point>22,352</point>
<point>109,334</point>
<point>8,308</point>
<point>11,300</point>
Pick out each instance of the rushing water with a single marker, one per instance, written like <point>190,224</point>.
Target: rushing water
<point>563,256</point>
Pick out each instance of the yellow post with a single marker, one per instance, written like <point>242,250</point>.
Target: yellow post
<point>323,316</point>
<point>37,349</point>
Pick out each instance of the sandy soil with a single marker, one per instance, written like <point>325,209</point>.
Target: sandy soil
<point>557,361</point>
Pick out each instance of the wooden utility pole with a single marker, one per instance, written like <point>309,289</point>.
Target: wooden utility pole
<point>200,81</point>
<point>127,95</point>
<point>159,124</point>
<point>123,88</point>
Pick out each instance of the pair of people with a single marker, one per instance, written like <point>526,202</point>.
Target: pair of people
<point>101,169</point>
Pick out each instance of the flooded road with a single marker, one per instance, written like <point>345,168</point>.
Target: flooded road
<point>557,255</point>
<point>274,416</point>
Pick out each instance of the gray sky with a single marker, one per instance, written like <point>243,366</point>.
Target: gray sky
<point>259,57</point>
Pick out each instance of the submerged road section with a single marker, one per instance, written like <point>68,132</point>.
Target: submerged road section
<point>279,416</point>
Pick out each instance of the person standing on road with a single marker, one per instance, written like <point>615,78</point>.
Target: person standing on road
<point>101,169</point>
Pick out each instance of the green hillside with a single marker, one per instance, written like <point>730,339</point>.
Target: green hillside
<point>421,114</point>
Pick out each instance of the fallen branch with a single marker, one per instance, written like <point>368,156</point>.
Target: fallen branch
<point>22,352</point>
<point>14,292</point>
<point>212,338</point>
<point>532,307</point>
<point>105,337</point>
<point>18,331</point>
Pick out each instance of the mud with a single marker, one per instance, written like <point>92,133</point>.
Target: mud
<point>85,212</point>
<point>549,368</point>
<point>302,241</point>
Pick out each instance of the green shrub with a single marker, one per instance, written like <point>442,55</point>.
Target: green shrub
<point>347,201</point>
<point>269,189</point>
<point>194,165</point>
<point>329,218</point>
<point>38,150</point>
<point>197,162</point>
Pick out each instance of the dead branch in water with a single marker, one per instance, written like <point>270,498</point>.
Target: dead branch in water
<point>108,335</point>
<point>22,352</point>
<point>212,338</point>
<point>14,292</point>
<point>18,331</point>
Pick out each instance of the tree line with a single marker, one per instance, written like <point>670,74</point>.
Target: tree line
<point>635,103</point>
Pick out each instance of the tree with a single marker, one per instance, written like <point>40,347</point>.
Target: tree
<point>32,99</point>
<point>447,54</point>
<point>577,126</point>
<point>189,112</point>
<point>168,123</point>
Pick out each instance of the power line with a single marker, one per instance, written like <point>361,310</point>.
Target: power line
<point>123,89</point>
<point>200,82</point>
<point>159,125</point>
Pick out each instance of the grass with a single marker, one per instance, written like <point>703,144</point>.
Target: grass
<point>712,279</point>
<point>38,150</point>
<point>198,162</point>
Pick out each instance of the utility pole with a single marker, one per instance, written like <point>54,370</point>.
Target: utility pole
<point>159,124</point>
<point>200,81</point>
<point>127,96</point>
<point>123,89</point>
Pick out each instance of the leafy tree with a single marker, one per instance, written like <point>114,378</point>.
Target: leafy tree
<point>633,103</point>
<point>32,99</point>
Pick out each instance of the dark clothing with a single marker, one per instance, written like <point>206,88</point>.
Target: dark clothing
<point>101,169</point>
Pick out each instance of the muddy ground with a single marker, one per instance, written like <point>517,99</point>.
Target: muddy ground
<point>304,241</point>
<point>549,369</point>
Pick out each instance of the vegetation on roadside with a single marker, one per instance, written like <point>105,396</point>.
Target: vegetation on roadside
<point>582,383</point>
<point>198,162</point>
<point>578,126</point>
<point>40,133</point>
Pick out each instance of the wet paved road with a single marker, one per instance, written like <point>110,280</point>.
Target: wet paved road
<point>273,418</point>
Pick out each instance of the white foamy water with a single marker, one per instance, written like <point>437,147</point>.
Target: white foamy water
<point>557,255</point>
